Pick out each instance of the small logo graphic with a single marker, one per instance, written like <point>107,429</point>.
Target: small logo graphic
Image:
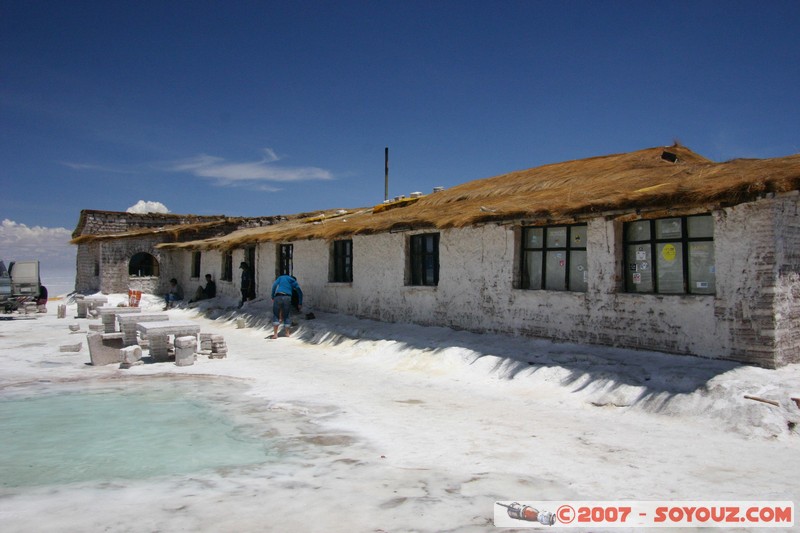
<point>518,511</point>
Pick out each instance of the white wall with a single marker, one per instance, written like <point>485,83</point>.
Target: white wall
<point>475,292</point>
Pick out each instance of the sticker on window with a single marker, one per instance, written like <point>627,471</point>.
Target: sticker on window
<point>668,252</point>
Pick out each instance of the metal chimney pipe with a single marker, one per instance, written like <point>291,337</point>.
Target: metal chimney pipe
<point>386,175</point>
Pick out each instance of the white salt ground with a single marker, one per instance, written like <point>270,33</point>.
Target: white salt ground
<point>422,429</point>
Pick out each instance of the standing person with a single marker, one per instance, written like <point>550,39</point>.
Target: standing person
<point>281,302</point>
<point>175,294</point>
<point>247,283</point>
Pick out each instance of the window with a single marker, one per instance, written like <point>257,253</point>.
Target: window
<point>285,261</point>
<point>425,259</point>
<point>250,257</point>
<point>554,258</point>
<point>143,265</point>
<point>227,266</point>
<point>670,255</point>
<point>342,270</point>
<point>195,264</point>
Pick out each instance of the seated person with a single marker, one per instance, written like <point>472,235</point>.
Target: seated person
<point>175,294</point>
<point>204,293</point>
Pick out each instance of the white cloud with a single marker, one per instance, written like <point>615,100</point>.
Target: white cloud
<point>227,173</point>
<point>143,207</point>
<point>50,246</point>
<point>93,167</point>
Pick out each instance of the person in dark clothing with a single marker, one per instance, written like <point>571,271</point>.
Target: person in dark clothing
<point>204,293</point>
<point>41,299</point>
<point>248,287</point>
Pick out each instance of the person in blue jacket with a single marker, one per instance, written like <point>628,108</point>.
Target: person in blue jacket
<point>282,302</point>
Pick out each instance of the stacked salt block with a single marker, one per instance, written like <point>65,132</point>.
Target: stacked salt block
<point>159,344</point>
<point>109,323</point>
<point>205,344</point>
<point>75,328</point>
<point>109,315</point>
<point>219,350</point>
<point>86,303</point>
<point>62,311</point>
<point>97,327</point>
<point>127,325</point>
<point>184,350</point>
<point>131,355</point>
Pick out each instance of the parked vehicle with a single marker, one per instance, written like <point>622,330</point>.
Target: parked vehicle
<point>19,283</point>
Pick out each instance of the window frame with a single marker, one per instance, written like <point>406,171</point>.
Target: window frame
<point>652,245</point>
<point>147,264</point>
<point>342,261</point>
<point>567,249</point>
<point>285,260</point>
<point>196,257</point>
<point>418,258</point>
<point>227,266</point>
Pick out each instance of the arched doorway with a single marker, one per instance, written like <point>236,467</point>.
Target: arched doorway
<point>143,265</point>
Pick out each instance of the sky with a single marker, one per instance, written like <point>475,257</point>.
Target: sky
<point>265,108</point>
<point>376,426</point>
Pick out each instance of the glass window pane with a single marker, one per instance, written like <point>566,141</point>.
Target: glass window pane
<point>669,261</point>
<point>700,226</point>
<point>702,272</point>
<point>429,271</point>
<point>638,268</point>
<point>532,271</point>
<point>668,228</point>
<point>557,237</point>
<point>577,237</point>
<point>638,231</point>
<point>534,238</point>
<point>556,270</point>
<point>578,273</point>
<point>429,243</point>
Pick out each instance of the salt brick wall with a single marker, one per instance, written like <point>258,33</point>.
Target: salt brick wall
<point>787,293</point>
<point>86,282</point>
<point>757,280</point>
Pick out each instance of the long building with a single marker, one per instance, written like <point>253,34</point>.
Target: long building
<point>658,249</point>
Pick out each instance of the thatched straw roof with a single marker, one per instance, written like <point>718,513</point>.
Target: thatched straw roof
<point>654,180</point>
<point>97,222</point>
<point>172,231</point>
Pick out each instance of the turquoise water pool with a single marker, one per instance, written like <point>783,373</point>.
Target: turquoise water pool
<point>131,429</point>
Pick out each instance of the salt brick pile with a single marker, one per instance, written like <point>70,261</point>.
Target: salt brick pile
<point>219,350</point>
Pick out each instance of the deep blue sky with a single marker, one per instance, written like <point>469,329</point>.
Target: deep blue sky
<point>263,108</point>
